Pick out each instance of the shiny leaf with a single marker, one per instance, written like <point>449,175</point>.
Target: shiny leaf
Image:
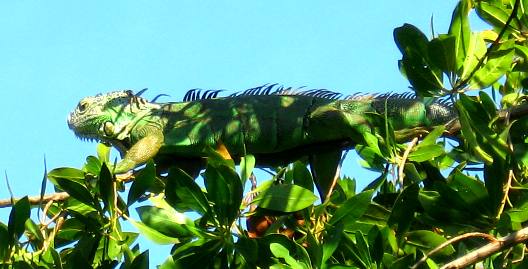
<point>428,240</point>
<point>353,208</point>
<point>142,183</point>
<point>171,223</point>
<point>17,218</point>
<point>285,198</point>
<point>459,28</point>
<point>224,189</point>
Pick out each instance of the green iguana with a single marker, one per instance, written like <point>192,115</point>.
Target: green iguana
<point>277,125</point>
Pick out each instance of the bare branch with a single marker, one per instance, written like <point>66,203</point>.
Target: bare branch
<point>35,200</point>
<point>452,241</point>
<point>401,165</point>
<point>489,249</point>
<point>58,196</point>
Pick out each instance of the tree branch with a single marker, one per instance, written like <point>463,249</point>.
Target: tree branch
<point>452,241</point>
<point>35,200</point>
<point>401,164</point>
<point>489,249</point>
<point>60,196</point>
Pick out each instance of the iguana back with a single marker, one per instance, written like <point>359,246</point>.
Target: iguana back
<point>277,127</point>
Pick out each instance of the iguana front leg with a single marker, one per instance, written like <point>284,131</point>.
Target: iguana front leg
<point>143,150</point>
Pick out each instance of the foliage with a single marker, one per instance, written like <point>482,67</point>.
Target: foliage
<point>426,193</point>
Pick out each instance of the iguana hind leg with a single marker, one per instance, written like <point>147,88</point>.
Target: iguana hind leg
<point>325,168</point>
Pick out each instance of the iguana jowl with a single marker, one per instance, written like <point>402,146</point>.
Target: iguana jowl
<point>276,126</point>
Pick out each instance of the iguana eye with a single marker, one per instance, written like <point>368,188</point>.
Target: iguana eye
<point>83,105</point>
<point>108,128</point>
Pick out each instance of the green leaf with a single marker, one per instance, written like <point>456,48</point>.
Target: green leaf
<point>21,265</point>
<point>488,104</point>
<point>423,75</point>
<point>389,237</point>
<point>224,189</point>
<point>280,251</point>
<point>182,192</point>
<point>353,208</point>
<point>476,50</point>
<point>497,64</point>
<point>518,215</point>
<point>142,182</point>
<point>442,52</point>
<point>370,159</point>
<point>198,254</point>
<point>168,222</point>
<point>92,165</point>
<point>427,240</point>
<point>471,190</point>
<point>247,164</point>
<point>431,138</point>
<point>71,229</point>
<point>84,252</point>
<point>5,241</point>
<point>33,231</point>
<point>521,51</point>
<point>76,190</point>
<point>332,239</point>
<point>459,28</point>
<point>412,175</point>
<point>55,258</point>
<point>168,264</point>
<point>404,262</point>
<point>103,153</point>
<point>348,186</point>
<point>248,248</point>
<point>141,261</point>
<point>495,15</point>
<point>285,198</point>
<point>154,235</point>
<point>470,136</point>
<point>106,187</point>
<point>17,219</point>
<point>405,206</point>
<point>68,173</point>
<point>494,177</point>
<point>363,248</point>
<point>410,40</point>
<point>302,176</point>
<point>75,205</point>
<point>488,140</point>
<point>425,153</point>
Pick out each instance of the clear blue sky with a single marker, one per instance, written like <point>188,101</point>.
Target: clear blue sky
<point>54,53</point>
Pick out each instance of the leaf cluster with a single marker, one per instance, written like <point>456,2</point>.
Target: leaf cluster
<point>429,192</point>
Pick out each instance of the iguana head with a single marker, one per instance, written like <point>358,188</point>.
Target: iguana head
<point>107,117</point>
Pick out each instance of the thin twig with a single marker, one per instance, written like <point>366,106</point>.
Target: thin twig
<point>452,241</point>
<point>44,210</point>
<point>401,164</point>
<point>506,190</point>
<point>58,225</point>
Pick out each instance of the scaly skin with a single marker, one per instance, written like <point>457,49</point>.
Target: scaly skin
<point>276,128</point>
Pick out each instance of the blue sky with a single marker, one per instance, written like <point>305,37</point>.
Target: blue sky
<point>54,53</point>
